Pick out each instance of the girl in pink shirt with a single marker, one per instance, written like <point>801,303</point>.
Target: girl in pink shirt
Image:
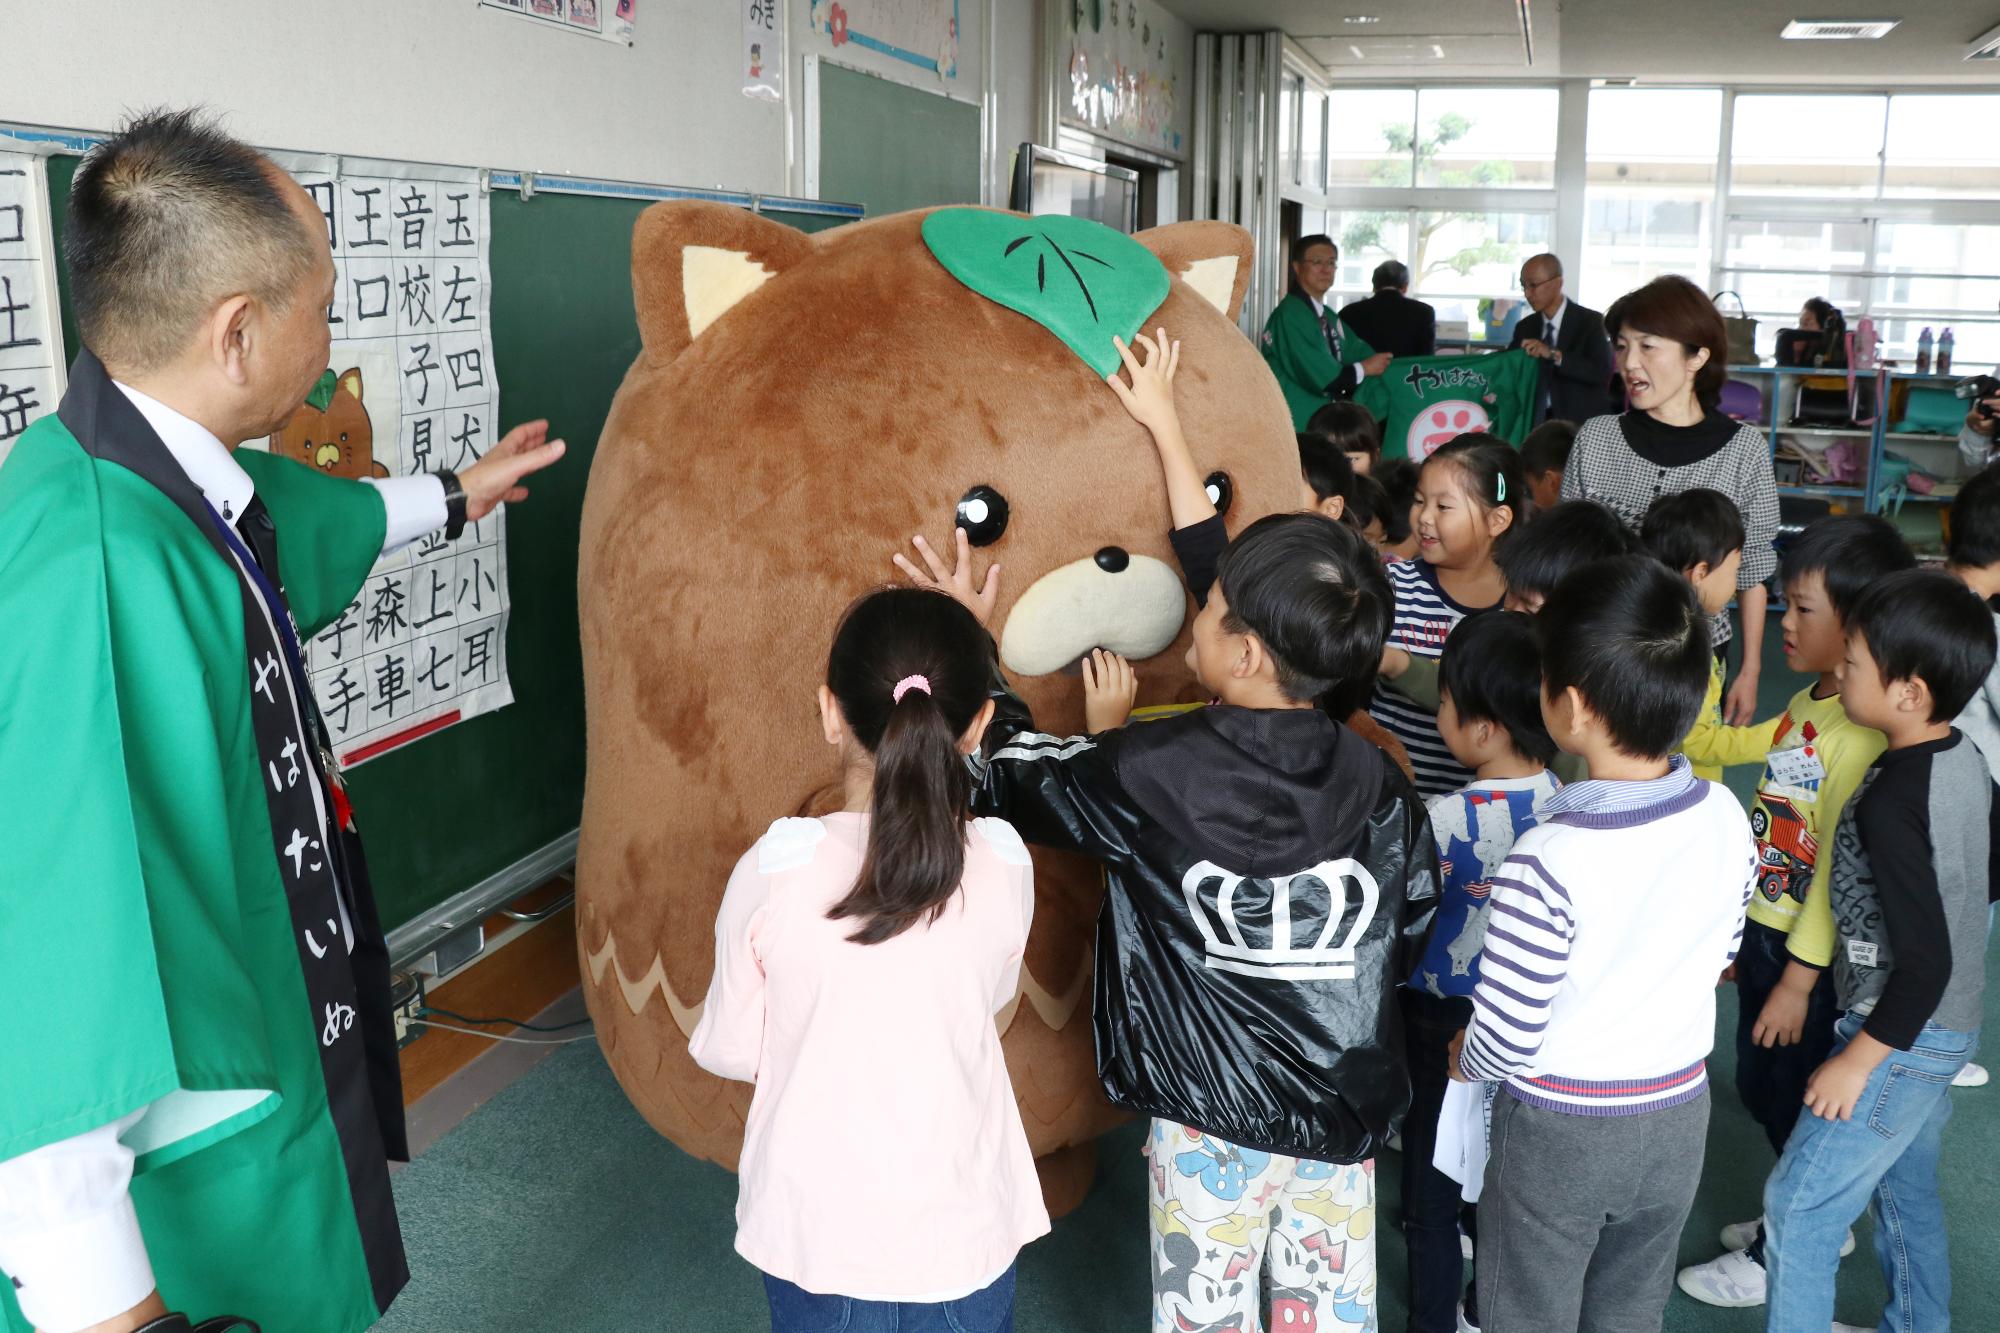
<point>860,959</point>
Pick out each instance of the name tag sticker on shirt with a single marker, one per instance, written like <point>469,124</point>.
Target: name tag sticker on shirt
<point>1863,953</point>
<point>1797,767</point>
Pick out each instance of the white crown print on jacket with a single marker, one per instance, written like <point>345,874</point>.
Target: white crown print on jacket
<point>1253,926</point>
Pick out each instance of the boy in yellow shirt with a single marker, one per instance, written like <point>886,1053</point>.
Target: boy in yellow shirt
<point>1699,534</point>
<point>1786,1007</point>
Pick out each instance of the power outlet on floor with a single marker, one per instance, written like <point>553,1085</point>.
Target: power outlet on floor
<point>406,997</point>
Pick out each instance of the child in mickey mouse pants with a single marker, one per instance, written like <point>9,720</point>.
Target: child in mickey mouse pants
<point>1222,1216</point>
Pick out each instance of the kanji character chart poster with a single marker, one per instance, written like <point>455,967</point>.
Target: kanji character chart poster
<point>31,353</point>
<point>409,388</point>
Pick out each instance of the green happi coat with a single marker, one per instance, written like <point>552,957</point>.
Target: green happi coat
<point>148,957</point>
<point>1426,401</point>
<point>1295,349</point>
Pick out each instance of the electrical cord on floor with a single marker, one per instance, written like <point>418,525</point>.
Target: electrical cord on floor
<point>428,1010</point>
<point>498,1036</point>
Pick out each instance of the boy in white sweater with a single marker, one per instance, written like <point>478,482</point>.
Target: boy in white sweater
<point>1595,1007</point>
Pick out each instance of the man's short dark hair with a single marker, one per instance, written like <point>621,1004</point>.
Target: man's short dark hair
<point>1325,468</point>
<point>1492,669</point>
<point>1392,275</point>
<point>1563,537</point>
<point>1849,552</point>
<point>1314,591</point>
<point>167,219</point>
<point>1547,448</point>
<point>1923,624</point>
<point>1975,521</point>
<point>1692,527</point>
<point>1630,636</point>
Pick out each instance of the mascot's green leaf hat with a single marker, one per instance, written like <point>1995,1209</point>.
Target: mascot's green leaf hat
<point>1078,279</point>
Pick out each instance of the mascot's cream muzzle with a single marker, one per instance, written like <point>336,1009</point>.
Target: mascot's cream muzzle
<point>1132,605</point>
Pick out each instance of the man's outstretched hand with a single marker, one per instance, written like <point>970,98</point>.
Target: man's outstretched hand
<point>496,479</point>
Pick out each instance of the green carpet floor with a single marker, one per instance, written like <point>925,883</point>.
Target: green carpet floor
<point>554,1208</point>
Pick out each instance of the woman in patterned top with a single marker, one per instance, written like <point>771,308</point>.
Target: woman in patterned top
<point>1671,350</point>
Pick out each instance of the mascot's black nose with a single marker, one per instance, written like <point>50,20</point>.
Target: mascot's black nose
<point>1112,560</point>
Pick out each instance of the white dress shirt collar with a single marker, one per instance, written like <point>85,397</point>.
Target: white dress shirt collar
<point>206,460</point>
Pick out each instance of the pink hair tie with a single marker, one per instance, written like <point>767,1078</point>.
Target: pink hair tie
<point>906,684</point>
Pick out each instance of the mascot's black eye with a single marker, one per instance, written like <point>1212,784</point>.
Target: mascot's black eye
<point>983,515</point>
<point>1221,490</point>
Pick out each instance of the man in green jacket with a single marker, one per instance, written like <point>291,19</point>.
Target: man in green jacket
<point>199,1091</point>
<point>1316,357</point>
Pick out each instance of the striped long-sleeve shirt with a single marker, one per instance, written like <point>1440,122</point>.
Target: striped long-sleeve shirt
<point>1611,921</point>
<point>1425,614</point>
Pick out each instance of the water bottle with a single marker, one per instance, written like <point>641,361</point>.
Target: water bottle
<point>1924,351</point>
<point>1944,352</point>
<point>1865,344</point>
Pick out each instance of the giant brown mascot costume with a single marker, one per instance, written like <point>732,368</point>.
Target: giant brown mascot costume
<point>802,407</point>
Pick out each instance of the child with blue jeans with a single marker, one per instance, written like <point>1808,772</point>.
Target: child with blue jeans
<point>1490,715</point>
<point>1913,865</point>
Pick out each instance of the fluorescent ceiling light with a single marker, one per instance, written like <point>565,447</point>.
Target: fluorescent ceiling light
<point>1986,46</point>
<point>1838,30</point>
<point>1362,18</point>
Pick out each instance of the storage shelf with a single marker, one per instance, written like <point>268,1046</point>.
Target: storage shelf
<point>1852,491</point>
<point>1850,432</point>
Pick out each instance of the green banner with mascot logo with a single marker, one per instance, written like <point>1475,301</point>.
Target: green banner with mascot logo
<point>1426,401</point>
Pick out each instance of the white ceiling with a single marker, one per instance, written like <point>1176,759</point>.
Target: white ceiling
<point>1730,41</point>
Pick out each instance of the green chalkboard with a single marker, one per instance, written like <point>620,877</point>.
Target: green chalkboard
<point>467,802</point>
<point>891,147</point>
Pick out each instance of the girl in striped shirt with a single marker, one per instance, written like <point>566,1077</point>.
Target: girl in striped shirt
<point>1470,495</point>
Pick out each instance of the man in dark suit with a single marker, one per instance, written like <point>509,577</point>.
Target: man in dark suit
<point>1389,321</point>
<point>1570,343</point>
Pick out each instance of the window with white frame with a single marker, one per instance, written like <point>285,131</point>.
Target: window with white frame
<point>1649,196</point>
<point>1872,201</point>
<point>1458,183</point>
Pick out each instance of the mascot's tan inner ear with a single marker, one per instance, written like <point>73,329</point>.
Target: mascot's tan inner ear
<point>713,280</point>
<point>1214,278</point>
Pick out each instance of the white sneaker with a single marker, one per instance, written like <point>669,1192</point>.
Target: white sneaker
<point>1735,1281</point>
<point>1466,1325</point>
<point>1739,1235</point>
<point>1972,1076</point>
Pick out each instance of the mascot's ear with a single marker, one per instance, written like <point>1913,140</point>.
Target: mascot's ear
<point>1211,257</point>
<point>693,260</point>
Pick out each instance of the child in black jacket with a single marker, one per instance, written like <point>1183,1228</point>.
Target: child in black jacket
<point>1270,876</point>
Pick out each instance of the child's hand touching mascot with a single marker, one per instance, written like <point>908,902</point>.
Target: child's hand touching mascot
<point>801,407</point>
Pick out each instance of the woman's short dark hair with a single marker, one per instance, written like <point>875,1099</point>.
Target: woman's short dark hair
<point>916,830</point>
<point>1825,311</point>
<point>1325,468</point>
<point>1630,636</point>
<point>1692,527</point>
<point>1672,307</point>
<point>1492,471</point>
<point>1315,593</point>
<point>1975,521</point>
<point>1923,624</point>
<point>1348,427</point>
<point>1562,538</point>
<point>1492,669</point>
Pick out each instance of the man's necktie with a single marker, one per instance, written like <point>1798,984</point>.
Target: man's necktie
<point>260,534</point>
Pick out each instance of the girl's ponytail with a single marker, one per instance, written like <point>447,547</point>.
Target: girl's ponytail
<point>910,670</point>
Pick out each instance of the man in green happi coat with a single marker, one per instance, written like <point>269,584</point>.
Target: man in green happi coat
<point>1317,358</point>
<point>199,1091</point>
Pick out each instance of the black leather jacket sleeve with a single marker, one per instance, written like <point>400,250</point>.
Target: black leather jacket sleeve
<point>1058,791</point>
